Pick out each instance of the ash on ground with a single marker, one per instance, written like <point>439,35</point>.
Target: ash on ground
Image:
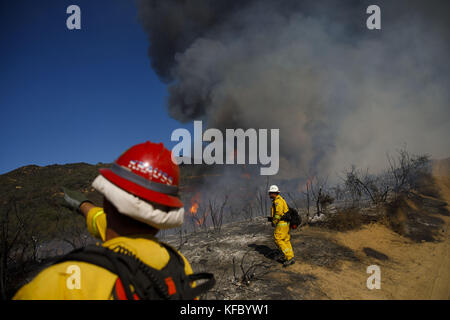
<point>243,259</point>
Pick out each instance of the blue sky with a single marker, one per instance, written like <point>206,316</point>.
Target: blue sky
<point>76,95</point>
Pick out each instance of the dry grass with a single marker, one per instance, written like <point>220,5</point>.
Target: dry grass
<point>346,219</point>
<point>418,220</point>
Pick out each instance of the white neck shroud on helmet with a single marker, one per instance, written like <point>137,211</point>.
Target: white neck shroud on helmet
<point>136,208</point>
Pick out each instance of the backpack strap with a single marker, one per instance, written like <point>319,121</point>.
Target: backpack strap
<point>287,216</point>
<point>171,282</point>
<point>105,258</point>
<point>119,292</point>
<point>188,292</point>
<point>200,288</point>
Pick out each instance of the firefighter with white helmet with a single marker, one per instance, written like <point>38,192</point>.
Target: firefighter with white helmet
<point>274,189</point>
<point>140,197</point>
<point>281,233</point>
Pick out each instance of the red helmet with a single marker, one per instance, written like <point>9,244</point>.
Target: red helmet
<point>147,171</point>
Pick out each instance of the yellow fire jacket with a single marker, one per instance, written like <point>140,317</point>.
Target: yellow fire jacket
<point>83,281</point>
<point>279,208</point>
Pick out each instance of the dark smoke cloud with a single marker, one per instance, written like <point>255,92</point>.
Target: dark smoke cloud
<point>339,93</point>
<point>173,26</point>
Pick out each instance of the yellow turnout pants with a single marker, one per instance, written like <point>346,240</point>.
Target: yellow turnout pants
<point>283,239</point>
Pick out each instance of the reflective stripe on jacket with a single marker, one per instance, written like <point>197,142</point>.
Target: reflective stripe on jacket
<point>279,208</point>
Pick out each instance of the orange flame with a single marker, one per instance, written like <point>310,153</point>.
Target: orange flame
<point>195,201</point>
<point>200,221</point>
<point>194,208</point>
<point>304,187</point>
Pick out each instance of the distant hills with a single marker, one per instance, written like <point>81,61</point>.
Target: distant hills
<point>32,184</point>
<point>36,190</point>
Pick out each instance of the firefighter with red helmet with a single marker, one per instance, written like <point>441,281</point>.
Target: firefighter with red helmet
<point>140,197</point>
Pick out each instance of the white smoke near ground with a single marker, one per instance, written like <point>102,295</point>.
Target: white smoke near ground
<point>339,93</point>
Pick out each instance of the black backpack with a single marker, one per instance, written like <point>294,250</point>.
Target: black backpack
<point>169,283</point>
<point>293,218</point>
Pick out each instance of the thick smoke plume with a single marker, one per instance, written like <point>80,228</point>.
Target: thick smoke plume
<point>339,93</point>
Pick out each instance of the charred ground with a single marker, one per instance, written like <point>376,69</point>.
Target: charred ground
<point>36,226</point>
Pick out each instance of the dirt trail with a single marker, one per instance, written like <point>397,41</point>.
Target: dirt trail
<point>411,270</point>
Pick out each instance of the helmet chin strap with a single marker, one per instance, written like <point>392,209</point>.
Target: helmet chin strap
<point>136,208</point>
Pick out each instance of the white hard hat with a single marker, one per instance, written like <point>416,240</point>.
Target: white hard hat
<point>273,188</point>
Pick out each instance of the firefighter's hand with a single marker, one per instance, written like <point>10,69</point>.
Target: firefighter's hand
<point>269,219</point>
<point>74,199</point>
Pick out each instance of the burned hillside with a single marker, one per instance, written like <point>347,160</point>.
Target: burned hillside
<point>226,231</point>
